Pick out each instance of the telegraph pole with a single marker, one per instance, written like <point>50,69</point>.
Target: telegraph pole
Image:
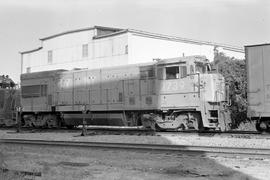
<point>19,118</point>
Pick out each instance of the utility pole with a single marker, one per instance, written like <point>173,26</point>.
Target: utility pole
<point>19,118</point>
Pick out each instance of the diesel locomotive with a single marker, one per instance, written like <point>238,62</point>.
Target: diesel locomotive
<point>175,94</point>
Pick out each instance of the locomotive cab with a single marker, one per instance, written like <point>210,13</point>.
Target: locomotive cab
<point>190,95</point>
<point>177,69</point>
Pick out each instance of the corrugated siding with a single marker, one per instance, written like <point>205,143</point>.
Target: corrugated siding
<point>255,78</point>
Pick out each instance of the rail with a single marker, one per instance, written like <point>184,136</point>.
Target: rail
<point>137,146</point>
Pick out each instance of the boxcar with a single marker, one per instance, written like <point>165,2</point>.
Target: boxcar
<point>258,76</point>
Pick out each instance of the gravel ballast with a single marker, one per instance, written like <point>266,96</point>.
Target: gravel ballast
<point>188,139</point>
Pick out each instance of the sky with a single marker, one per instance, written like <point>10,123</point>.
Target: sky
<point>234,22</point>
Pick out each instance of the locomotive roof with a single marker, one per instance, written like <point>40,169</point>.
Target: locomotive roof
<point>156,62</point>
<point>182,59</point>
<point>41,74</point>
<point>114,67</point>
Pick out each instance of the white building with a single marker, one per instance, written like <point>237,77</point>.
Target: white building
<point>98,47</point>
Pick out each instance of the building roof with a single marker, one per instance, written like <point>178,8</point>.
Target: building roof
<point>174,38</point>
<point>265,44</point>
<point>79,30</point>
<point>117,31</point>
<point>30,51</point>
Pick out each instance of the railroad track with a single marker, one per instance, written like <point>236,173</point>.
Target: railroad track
<point>151,147</point>
<point>130,129</point>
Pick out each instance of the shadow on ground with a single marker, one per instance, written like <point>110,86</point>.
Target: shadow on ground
<point>97,163</point>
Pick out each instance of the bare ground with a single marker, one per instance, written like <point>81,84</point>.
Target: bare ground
<point>59,163</point>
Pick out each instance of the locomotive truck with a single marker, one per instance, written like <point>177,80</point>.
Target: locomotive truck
<point>258,91</point>
<point>176,94</point>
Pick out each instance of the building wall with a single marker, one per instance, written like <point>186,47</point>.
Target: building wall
<point>144,49</point>
<point>67,52</point>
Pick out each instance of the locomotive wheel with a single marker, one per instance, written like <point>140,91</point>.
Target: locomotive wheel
<point>28,120</point>
<point>177,123</point>
<point>51,121</point>
<point>158,128</point>
<point>180,121</point>
<point>192,121</point>
<point>40,121</point>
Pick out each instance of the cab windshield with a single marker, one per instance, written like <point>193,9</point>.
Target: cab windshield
<point>202,68</point>
<point>172,72</point>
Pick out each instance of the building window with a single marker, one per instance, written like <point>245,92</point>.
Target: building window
<point>50,56</point>
<point>28,70</point>
<point>85,50</point>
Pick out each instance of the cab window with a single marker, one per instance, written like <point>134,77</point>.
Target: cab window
<point>200,69</point>
<point>172,72</point>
